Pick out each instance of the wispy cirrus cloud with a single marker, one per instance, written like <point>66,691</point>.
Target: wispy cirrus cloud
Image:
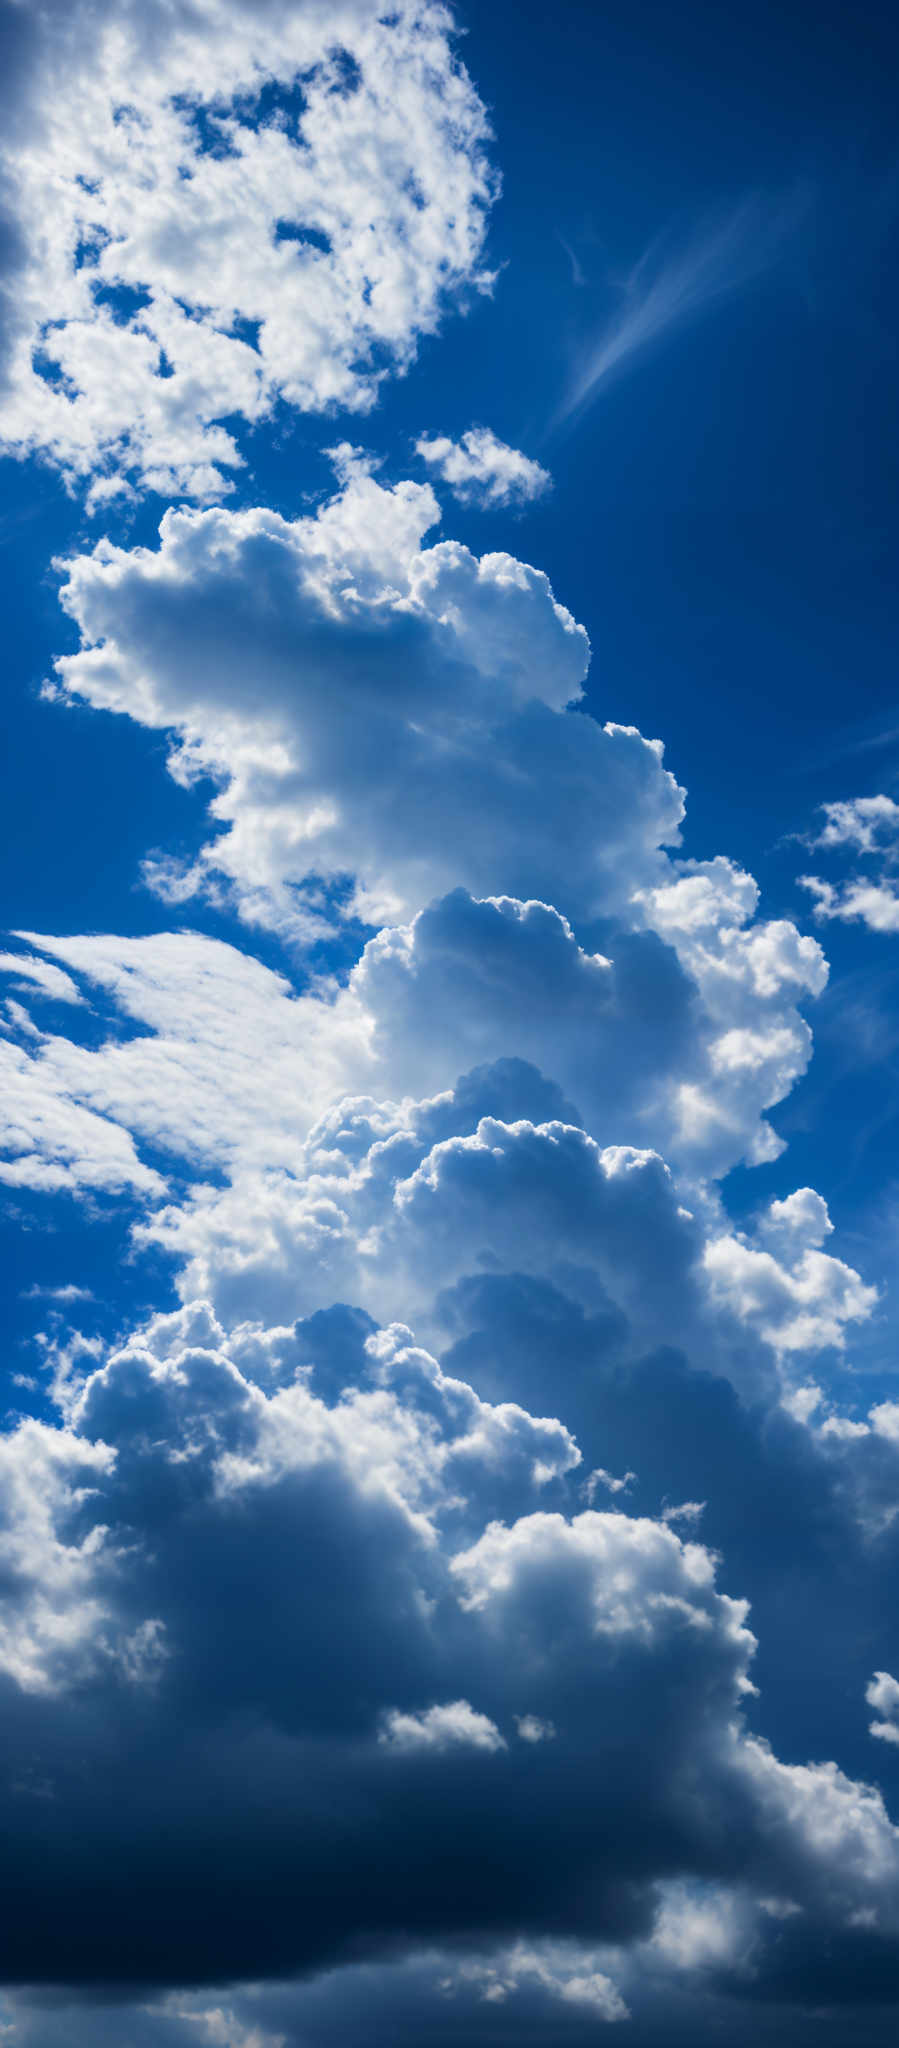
<point>675,281</point>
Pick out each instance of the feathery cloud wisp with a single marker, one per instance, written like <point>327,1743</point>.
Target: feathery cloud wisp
<point>674,283</point>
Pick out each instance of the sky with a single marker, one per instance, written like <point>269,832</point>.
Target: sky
<point>449,1024</point>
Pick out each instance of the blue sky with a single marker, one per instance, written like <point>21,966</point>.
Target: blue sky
<point>450,1206</point>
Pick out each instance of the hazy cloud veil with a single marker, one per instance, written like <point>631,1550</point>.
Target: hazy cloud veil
<point>401,1624</point>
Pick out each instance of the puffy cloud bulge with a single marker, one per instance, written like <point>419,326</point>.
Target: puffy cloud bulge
<point>375,1636</point>
<point>482,470</point>
<point>400,724</point>
<point>371,703</point>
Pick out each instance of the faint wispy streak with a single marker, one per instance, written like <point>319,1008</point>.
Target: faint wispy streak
<point>669,286</point>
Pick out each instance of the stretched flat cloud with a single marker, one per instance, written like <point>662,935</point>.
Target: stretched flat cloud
<point>482,470</point>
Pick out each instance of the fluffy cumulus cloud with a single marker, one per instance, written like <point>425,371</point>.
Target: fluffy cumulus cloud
<point>222,207</point>
<point>866,823</point>
<point>390,723</point>
<point>868,828</point>
<point>402,685</point>
<point>883,1695</point>
<point>482,470</point>
<point>647,1043</point>
<point>451,1615</point>
<point>800,1296</point>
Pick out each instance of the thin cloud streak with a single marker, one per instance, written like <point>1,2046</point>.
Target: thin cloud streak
<point>577,269</point>
<point>669,286</point>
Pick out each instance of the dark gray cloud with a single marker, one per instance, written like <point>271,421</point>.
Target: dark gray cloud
<point>212,1629</point>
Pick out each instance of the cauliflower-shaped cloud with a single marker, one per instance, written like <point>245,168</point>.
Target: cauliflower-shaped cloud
<point>481,470</point>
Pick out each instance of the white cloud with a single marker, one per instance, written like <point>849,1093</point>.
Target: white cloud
<point>212,1074</point>
<point>841,1428</point>
<point>57,1621</point>
<point>608,1480</point>
<point>453,1726</point>
<point>389,1220</point>
<point>31,973</point>
<point>630,1578</point>
<point>386,1202</point>
<point>532,1729</point>
<point>885,1420</point>
<point>623,1031</point>
<point>385,731</point>
<point>869,827</point>
<point>52,1143</point>
<point>223,207</point>
<point>701,1927</point>
<point>559,1970</point>
<point>801,1300</point>
<point>482,470</point>
<point>221,2028</point>
<point>883,1695</point>
<point>859,901</point>
<point>690,1511</point>
<point>69,1292</point>
<point>803,1402</point>
<point>839,1827</point>
<point>800,1220</point>
<point>867,823</point>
